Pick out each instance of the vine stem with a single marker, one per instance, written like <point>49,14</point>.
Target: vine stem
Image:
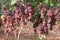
<point>21,28</point>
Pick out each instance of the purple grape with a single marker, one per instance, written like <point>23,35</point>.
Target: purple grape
<point>42,8</point>
<point>49,13</point>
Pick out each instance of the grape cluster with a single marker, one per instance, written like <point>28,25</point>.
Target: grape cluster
<point>52,14</point>
<point>42,28</point>
<point>28,12</point>
<point>6,21</point>
<point>16,14</point>
<point>42,9</point>
<point>11,18</point>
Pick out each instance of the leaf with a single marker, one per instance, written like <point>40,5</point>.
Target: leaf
<point>51,4</point>
<point>13,2</point>
<point>46,1</point>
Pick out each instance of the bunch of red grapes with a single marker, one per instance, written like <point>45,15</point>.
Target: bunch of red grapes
<point>27,13</point>
<point>12,18</point>
<point>53,15</point>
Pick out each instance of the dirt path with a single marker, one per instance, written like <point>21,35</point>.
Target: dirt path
<point>53,35</point>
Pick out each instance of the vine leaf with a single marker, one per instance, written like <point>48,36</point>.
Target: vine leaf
<point>13,2</point>
<point>46,1</point>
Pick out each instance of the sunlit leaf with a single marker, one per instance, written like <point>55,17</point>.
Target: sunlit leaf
<point>51,4</point>
<point>13,2</point>
<point>46,1</point>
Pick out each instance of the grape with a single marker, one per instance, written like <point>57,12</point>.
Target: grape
<point>26,20</point>
<point>42,8</point>
<point>30,17</point>
<point>42,15</point>
<point>45,25</point>
<point>10,29</point>
<point>29,9</point>
<point>26,11</point>
<point>8,20</point>
<point>45,28</point>
<point>49,20</point>
<point>49,13</point>
<point>16,15</point>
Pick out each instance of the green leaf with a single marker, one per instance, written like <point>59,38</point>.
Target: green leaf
<point>46,1</point>
<point>51,4</point>
<point>13,2</point>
